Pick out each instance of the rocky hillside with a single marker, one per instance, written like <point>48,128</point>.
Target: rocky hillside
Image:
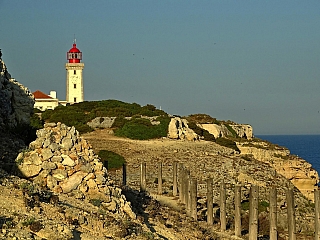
<point>56,187</point>
<point>16,107</point>
<point>15,99</point>
<point>205,160</point>
<point>295,169</point>
<point>65,192</point>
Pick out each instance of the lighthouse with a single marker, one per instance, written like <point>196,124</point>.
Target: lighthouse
<point>74,68</point>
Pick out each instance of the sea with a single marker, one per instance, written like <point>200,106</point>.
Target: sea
<point>304,146</point>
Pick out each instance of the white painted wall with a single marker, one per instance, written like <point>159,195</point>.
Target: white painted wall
<point>74,82</point>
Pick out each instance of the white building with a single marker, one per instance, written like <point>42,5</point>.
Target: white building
<point>44,101</point>
<point>74,80</point>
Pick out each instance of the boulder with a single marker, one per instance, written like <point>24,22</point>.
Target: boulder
<point>178,129</point>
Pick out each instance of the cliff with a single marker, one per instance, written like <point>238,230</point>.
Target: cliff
<point>16,107</point>
<point>296,169</point>
<point>16,101</point>
<point>242,130</point>
<point>179,129</point>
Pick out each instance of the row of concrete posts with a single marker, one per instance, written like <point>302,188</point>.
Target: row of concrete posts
<point>185,187</point>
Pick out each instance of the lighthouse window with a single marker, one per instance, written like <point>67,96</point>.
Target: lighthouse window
<point>74,85</point>
<point>74,99</point>
<point>76,56</point>
<point>74,72</point>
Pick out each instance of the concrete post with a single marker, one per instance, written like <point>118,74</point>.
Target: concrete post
<point>273,214</point>
<point>175,185</point>
<point>291,215</point>
<point>223,214</point>
<point>160,178</point>
<point>209,202</point>
<point>253,212</point>
<point>193,203</point>
<point>237,212</point>
<point>143,183</point>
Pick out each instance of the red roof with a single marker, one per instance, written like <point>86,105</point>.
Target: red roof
<point>39,94</point>
<point>74,49</point>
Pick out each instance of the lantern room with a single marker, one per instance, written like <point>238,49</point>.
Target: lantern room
<point>74,55</point>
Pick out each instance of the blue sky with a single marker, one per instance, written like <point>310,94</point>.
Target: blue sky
<point>254,62</point>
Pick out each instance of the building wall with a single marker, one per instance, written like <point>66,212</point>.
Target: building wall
<point>74,82</point>
<point>44,104</point>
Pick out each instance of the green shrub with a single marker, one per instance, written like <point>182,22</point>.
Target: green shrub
<point>114,160</point>
<point>245,205</point>
<point>83,128</point>
<point>227,143</point>
<point>119,122</point>
<point>80,113</point>
<point>36,122</point>
<point>201,118</point>
<point>96,202</point>
<point>28,221</point>
<point>233,132</point>
<point>142,129</point>
<point>263,206</point>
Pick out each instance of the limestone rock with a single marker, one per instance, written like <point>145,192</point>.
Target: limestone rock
<point>46,153</point>
<point>29,170</point>
<point>128,210</point>
<point>297,170</point>
<point>67,161</point>
<point>178,129</point>
<point>67,143</point>
<point>102,122</point>
<point>243,130</point>
<point>73,182</point>
<point>16,101</point>
<point>215,129</point>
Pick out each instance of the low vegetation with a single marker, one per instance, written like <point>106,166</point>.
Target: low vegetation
<point>202,118</point>
<point>111,160</point>
<point>201,132</point>
<point>138,128</point>
<point>79,114</point>
<point>142,129</point>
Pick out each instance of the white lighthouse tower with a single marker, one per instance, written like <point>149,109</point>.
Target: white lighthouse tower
<point>74,68</point>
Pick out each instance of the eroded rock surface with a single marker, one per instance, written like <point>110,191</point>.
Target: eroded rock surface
<point>16,101</point>
<point>296,169</point>
<point>178,129</point>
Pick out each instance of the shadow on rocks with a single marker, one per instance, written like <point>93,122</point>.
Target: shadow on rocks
<point>144,206</point>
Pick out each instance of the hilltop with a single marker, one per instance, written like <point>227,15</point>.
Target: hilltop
<point>55,186</point>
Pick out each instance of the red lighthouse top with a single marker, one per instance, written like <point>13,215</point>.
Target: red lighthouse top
<point>74,55</point>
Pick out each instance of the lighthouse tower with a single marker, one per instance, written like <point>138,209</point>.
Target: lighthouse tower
<point>74,68</point>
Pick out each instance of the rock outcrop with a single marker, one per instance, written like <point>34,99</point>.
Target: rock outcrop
<point>296,169</point>
<point>101,122</point>
<point>242,130</point>
<point>16,101</point>
<point>60,160</point>
<point>178,129</point>
<point>215,129</point>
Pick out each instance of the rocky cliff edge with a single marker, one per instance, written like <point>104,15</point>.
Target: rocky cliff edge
<point>296,169</point>
<point>16,101</point>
